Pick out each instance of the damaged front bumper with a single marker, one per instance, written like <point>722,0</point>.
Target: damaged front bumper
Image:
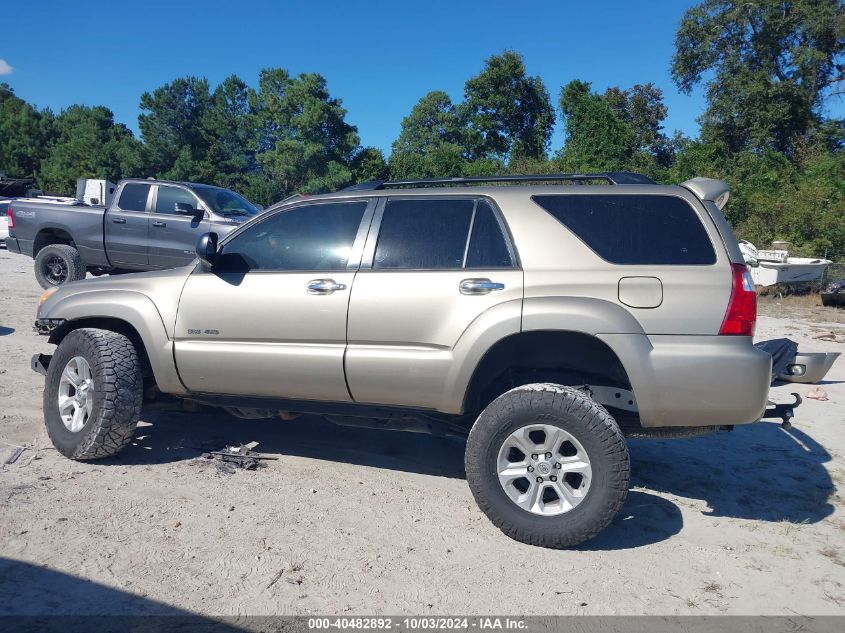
<point>45,327</point>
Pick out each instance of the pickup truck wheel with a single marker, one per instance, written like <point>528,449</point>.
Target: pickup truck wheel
<point>93,394</point>
<point>58,264</point>
<point>547,465</point>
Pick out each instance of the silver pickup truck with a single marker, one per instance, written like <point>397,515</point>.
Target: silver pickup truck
<point>150,225</point>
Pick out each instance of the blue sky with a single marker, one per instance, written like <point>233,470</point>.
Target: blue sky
<point>378,57</point>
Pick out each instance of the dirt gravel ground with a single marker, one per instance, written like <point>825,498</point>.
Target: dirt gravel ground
<point>351,521</point>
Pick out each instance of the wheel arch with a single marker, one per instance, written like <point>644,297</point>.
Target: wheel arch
<point>129,313</point>
<point>562,356</point>
<point>51,235</point>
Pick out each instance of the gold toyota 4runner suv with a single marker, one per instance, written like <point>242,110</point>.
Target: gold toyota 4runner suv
<point>544,320</point>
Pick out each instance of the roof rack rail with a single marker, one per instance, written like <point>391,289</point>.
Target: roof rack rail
<point>611,177</point>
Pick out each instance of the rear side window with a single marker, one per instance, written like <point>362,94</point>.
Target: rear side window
<point>487,246</point>
<point>440,234</point>
<point>634,229</point>
<point>134,197</point>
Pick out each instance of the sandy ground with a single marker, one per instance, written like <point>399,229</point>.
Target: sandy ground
<point>357,521</point>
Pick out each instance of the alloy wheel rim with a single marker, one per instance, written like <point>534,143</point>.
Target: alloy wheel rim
<point>55,270</point>
<point>76,394</point>
<point>544,470</point>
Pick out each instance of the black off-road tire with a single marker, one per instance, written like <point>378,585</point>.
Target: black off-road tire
<point>70,258</point>
<point>118,394</point>
<point>586,421</point>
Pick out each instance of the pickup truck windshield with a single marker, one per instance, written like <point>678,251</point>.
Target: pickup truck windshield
<point>224,202</point>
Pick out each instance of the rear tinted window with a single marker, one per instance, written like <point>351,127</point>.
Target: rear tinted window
<point>634,229</point>
<point>487,246</point>
<point>440,234</point>
<point>423,234</point>
<point>134,197</point>
<point>4,209</point>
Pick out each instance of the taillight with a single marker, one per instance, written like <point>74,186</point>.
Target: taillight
<point>11,217</point>
<point>741,315</point>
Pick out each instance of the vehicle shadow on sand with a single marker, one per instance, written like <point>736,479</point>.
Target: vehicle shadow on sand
<point>757,472</point>
<point>35,598</point>
<point>167,434</point>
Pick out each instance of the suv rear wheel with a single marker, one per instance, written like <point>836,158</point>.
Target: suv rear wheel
<point>93,394</point>
<point>547,465</point>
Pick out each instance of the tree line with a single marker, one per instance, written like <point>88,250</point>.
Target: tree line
<point>770,69</point>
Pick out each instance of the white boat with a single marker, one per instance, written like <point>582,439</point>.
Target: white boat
<point>777,267</point>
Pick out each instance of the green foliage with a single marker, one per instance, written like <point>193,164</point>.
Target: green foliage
<point>510,114</point>
<point>88,144</point>
<point>431,140</point>
<point>171,124</point>
<point>772,64</point>
<point>25,135</point>
<point>597,138</point>
<point>506,117</point>
<point>369,164</point>
<point>643,111</point>
<point>306,143</point>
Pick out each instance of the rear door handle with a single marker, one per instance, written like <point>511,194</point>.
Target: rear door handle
<point>159,223</point>
<point>324,286</point>
<point>118,220</point>
<point>481,286</point>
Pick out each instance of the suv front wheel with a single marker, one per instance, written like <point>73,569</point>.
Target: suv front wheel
<point>93,394</point>
<point>547,465</point>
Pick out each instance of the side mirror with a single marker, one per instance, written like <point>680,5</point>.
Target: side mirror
<point>207,249</point>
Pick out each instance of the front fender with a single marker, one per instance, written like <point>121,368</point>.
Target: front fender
<point>129,306</point>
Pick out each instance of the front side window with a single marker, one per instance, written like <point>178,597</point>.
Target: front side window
<point>440,234</point>
<point>134,197</point>
<point>168,197</point>
<point>310,237</point>
<point>634,229</point>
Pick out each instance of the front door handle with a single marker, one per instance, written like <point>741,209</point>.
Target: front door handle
<point>324,286</point>
<point>482,286</point>
<point>118,220</point>
<point>159,223</point>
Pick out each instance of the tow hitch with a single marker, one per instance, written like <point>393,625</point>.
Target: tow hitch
<point>785,411</point>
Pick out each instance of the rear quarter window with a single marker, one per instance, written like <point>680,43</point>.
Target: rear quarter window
<point>634,229</point>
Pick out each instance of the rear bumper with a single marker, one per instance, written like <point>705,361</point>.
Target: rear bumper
<point>12,245</point>
<point>694,380</point>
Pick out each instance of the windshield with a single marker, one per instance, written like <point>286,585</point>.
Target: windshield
<point>225,202</point>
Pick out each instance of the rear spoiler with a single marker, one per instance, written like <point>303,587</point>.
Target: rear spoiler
<point>716,191</point>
